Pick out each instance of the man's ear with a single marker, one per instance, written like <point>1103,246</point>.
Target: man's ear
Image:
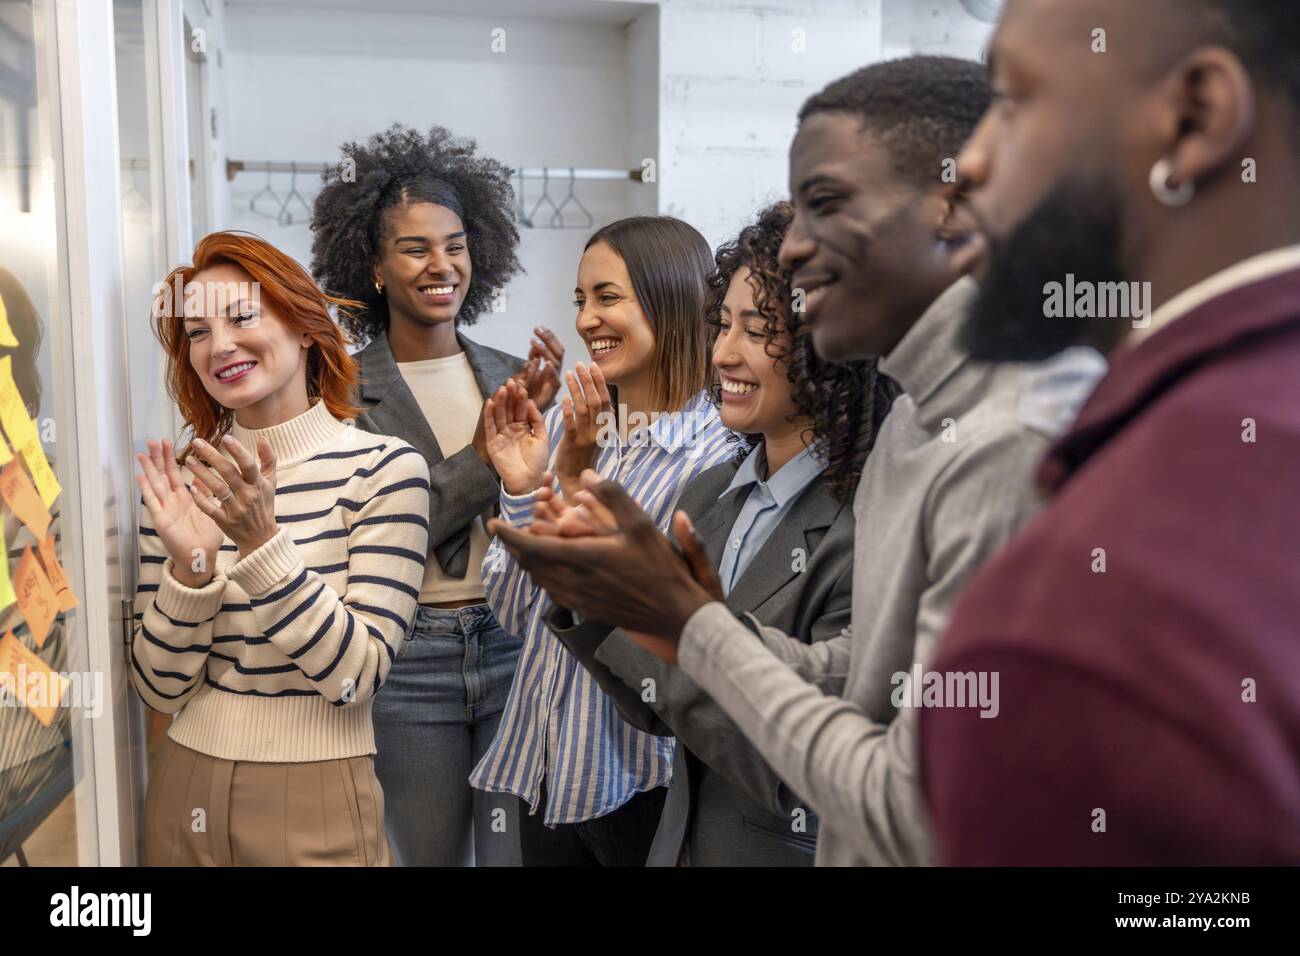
<point>1212,108</point>
<point>956,231</point>
<point>953,220</point>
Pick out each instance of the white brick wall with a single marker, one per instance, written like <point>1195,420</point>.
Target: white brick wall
<point>731,83</point>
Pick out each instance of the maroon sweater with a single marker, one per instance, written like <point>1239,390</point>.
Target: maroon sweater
<point>1164,691</point>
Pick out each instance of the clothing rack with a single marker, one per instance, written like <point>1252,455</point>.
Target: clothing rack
<point>543,213</point>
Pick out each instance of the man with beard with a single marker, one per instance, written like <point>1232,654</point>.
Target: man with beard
<point>880,264</point>
<point>1144,625</point>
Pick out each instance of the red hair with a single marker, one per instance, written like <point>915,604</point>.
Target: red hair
<point>332,374</point>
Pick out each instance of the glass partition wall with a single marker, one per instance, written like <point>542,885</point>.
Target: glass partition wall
<point>81,244</point>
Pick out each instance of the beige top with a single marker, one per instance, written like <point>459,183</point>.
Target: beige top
<point>448,395</point>
<point>278,657</point>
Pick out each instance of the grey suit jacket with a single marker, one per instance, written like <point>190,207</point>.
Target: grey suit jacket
<point>460,487</point>
<point>725,805</point>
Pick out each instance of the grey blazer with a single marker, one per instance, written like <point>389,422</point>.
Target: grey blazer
<point>725,805</point>
<point>461,486</point>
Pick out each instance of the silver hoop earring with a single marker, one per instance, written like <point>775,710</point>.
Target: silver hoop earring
<point>1167,195</point>
<point>379,287</point>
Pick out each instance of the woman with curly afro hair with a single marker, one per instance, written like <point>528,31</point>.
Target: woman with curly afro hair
<point>777,524</point>
<point>419,229</point>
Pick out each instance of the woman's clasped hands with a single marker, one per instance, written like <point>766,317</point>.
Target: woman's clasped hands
<point>228,498</point>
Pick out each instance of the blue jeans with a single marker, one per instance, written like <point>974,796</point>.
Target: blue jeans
<point>434,719</point>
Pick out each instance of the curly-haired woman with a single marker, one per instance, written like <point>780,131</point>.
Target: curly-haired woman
<point>420,229</point>
<point>777,523</point>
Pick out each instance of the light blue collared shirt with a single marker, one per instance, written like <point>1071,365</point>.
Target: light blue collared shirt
<point>557,723</point>
<point>765,507</point>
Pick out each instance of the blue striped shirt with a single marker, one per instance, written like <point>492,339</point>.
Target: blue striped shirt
<point>558,725</point>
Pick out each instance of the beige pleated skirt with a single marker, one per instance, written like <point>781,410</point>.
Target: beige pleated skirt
<point>203,811</point>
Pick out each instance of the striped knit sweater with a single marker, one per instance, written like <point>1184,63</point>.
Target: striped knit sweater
<point>277,659</point>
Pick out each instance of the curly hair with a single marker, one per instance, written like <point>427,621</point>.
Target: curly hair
<point>394,169</point>
<point>845,403</point>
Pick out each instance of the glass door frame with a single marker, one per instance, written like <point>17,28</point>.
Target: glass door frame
<point>93,394</point>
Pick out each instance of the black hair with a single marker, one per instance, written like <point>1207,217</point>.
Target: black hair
<point>922,107</point>
<point>392,170</point>
<point>846,402</point>
<point>1265,34</point>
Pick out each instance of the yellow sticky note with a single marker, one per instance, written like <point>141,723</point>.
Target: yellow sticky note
<point>6,455</point>
<point>30,680</point>
<point>7,336</point>
<point>42,473</point>
<point>7,595</point>
<point>18,425</point>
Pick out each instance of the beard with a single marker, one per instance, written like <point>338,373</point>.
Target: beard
<point>1074,230</point>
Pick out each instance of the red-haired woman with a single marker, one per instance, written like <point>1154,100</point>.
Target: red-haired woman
<point>278,573</point>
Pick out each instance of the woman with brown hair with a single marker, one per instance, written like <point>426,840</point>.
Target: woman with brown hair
<point>278,573</point>
<point>591,786</point>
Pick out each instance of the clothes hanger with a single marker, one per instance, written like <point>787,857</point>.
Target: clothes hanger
<point>135,205</point>
<point>545,197</point>
<point>557,218</point>
<point>519,199</point>
<point>286,217</point>
<point>266,191</point>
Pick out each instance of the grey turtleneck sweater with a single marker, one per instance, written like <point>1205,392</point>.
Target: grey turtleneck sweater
<point>949,481</point>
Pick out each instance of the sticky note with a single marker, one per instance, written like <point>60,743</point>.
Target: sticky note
<point>35,596</point>
<point>64,597</point>
<point>23,499</point>
<point>7,596</point>
<point>18,424</point>
<point>30,681</point>
<point>42,473</point>
<point>6,455</point>
<point>7,336</point>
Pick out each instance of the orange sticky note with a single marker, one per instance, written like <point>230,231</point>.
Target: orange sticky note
<point>64,597</point>
<point>17,489</point>
<point>42,473</point>
<point>35,596</point>
<point>30,680</point>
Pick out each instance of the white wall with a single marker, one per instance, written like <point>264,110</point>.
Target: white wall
<point>733,74</point>
<point>559,95</point>
<point>732,78</point>
<point>709,89</point>
<point>938,27</point>
<point>209,16</point>
<point>643,107</point>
